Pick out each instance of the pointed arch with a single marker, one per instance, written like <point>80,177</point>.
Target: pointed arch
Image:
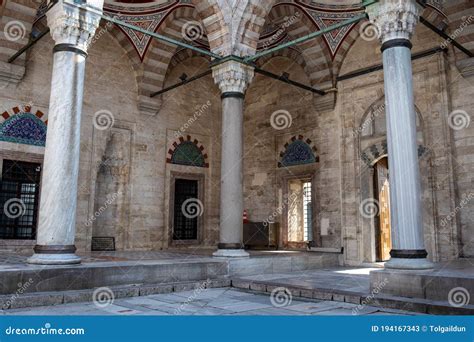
<point>16,23</point>
<point>289,21</point>
<point>24,125</point>
<point>298,151</point>
<point>188,152</point>
<point>216,15</point>
<point>372,154</point>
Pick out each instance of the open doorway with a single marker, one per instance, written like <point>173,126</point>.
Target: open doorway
<point>300,213</point>
<point>383,239</point>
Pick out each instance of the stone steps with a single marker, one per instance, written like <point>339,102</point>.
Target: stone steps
<point>362,299</point>
<point>88,295</point>
<point>29,279</point>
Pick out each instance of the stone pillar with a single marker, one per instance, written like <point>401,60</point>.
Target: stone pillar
<point>72,27</point>
<point>396,21</point>
<point>233,79</point>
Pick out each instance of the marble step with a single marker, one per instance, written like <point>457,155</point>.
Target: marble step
<point>22,279</point>
<point>361,299</point>
<point>104,294</point>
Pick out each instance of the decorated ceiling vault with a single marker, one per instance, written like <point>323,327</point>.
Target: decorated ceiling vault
<point>251,27</point>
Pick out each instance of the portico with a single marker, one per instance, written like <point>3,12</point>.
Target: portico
<point>159,126</point>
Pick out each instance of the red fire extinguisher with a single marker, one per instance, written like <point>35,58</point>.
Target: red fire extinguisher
<point>246,217</point>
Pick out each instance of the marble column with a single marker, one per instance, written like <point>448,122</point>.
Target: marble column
<point>72,28</point>
<point>396,21</point>
<point>233,79</point>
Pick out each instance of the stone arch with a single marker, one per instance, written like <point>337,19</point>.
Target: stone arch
<point>298,151</point>
<point>150,57</point>
<point>16,22</point>
<point>372,154</point>
<point>251,15</point>
<point>216,15</point>
<point>375,116</point>
<point>292,54</point>
<point>286,22</point>
<point>187,151</point>
<point>183,54</point>
<point>160,54</point>
<point>24,125</point>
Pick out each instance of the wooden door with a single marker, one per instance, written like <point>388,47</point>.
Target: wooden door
<point>384,244</point>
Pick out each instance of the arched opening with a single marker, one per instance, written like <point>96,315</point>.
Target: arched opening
<point>383,239</point>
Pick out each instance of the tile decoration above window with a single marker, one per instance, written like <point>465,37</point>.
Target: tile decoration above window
<point>298,152</point>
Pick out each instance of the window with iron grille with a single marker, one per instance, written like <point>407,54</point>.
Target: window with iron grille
<point>186,209</point>
<point>307,212</point>
<point>19,199</point>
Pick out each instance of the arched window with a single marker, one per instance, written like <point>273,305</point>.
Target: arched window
<point>298,152</point>
<point>24,128</point>
<point>188,152</point>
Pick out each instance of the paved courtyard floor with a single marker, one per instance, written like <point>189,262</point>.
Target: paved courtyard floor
<point>219,301</point>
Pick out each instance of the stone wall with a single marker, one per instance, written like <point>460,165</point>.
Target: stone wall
<point>432,93</point>
<point>123,170</point>
<point>264,181</point>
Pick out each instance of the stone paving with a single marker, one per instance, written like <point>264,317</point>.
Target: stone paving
<point>340,278</point>
<point>217,302</point>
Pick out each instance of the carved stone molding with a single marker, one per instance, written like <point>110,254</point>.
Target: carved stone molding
<point>394,19</point>
<point>73,23</point>
<point>232,76</point>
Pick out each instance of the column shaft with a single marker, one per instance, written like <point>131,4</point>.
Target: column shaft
<point>231,202</point>
<point>72,26</point>
<point>57,216</point>
<point>402,151</point>
<point>408,249</point>
<point>233,79</point>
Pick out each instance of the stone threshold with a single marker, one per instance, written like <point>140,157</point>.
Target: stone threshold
<point>378,300</point>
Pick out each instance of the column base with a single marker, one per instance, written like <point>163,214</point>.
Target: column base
<point>54,259</point>
<point>54,255</point>
<point>230,253</point>
<point>409,264</point>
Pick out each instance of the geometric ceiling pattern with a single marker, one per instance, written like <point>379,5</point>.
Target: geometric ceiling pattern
<point>150,15</point>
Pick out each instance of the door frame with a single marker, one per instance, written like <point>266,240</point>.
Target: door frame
<point>377,218</point>
<point>200,178</point>
<point>283,243</point>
